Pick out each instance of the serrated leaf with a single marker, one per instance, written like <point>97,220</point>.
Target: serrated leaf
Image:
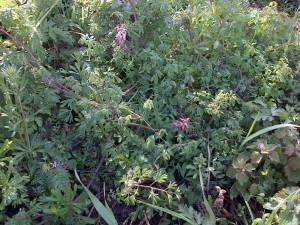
<point>231,172</point>
<point>289,150</point>
<point>242,178</point>
<point>249,167</point>
<point>256,157</point>
<point>294,163</point>
<point>274,156</point>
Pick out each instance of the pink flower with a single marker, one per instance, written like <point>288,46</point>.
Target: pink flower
<point>181,124</point>
<point>121,34</point>
<point>297,26</point>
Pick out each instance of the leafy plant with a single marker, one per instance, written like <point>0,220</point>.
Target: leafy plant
<point>104,211</point>
<point>143,94</point>
<point>284,207</point>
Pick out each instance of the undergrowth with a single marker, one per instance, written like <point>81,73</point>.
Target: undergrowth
<point>143,98</point>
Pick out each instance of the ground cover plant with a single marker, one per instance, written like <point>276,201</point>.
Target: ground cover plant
<point>166,111</point>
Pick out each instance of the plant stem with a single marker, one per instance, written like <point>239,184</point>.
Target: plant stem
<point>19,43</point>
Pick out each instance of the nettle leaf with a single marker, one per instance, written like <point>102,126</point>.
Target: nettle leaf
<point>289,150</point>
<point>254,189</point>
<point>274,156</point>
<point>294,163</point>
<point>297,149</point>
<point>231,172</point>
<point>249,167</point>
<point>292,169</point>
<point>242,178</point>
<point>256,157</point>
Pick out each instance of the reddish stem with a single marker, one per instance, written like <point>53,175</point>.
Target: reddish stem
<point>131,88</point>
<point>135,16</point>
<point>19,43</point>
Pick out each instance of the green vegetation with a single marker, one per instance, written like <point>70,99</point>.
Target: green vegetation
<point>169,111</point>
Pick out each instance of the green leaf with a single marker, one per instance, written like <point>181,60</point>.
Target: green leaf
<point>170,212</point>
<point>206,204</point>
<point>216,44</point>
<point>242,178</point>
<point>148,104</point>
<point>105,212</point>
<point>274,156</point>
<point>4,148</point>
<point>256,157</point>
<point>46,14</point>
<point>265,130</point>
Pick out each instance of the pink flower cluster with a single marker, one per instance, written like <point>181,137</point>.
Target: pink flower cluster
<point>121,34</point>
<point>181,124</point>
<point>297,26</point>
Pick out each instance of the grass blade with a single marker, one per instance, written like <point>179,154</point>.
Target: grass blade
<point>206,204</point>
<point>46,14</point>
<point>172,213</point>
<point>252,126</point>
<point>274,211</point>
<point>105,212</point>
<point>265,130</point>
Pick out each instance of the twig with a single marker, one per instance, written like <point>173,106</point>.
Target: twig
<point>126,221</point>
<point>59,87</point>
<point>143,126</point>
<point>164,216</point>
<point>239,83</point>
<point>48,80</point>
<point>91,181</point>
<point>38,215</point>
<point>43,222</point>
<point>91,211</point>
<point>146,218</point>
<point>135,16</point>
<point>142,221</point>
<point>131,88</point>
<point>152,188</point>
